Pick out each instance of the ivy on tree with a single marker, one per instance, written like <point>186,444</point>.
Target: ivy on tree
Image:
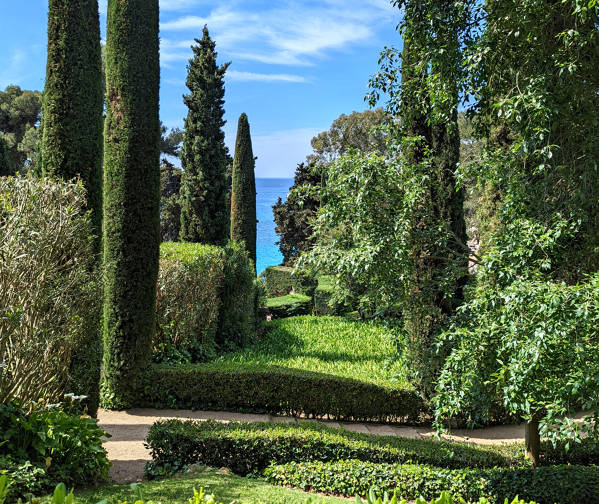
<point>204,188</point>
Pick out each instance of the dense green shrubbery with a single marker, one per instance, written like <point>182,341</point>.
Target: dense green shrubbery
<point>251,447</point>
<point>325,301</point>
<point>277,280</point>
<point>47,446</point>
<point>275,390</point>
<point>206,301</point>
<point>50,292</point>
<point>546,485</point>
<point>290,305</point>
<point>188,300</point>
<point>238,322</point>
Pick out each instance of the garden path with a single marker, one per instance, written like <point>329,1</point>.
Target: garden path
<point>129,429</point>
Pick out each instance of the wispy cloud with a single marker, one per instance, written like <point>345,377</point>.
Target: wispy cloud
<point>14,72</point>
<point>289,32</point>
<point>260,77</point>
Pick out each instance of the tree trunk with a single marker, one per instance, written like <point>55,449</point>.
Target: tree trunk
<point>532,440</point>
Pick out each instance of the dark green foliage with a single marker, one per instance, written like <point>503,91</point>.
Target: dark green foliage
<point>170,206</point>
<point>278,280</point>
<point>276,390</point>
<point>248,448</point>
<point>294,215</point>
<point>4,159</point>
<point>325,301</point>
<point>73,100</point>
<point>243,196</point>
<point>71,143</point>
<point>238,323</point>
<point>131,192</point>
<point>45,447</point>
<point>188,302</point>
<point>546,485</point>
<point>204,210</point>
<point>290,305</point>
<point>19,117</point>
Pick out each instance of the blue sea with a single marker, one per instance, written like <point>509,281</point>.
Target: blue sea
<point>267,192</point>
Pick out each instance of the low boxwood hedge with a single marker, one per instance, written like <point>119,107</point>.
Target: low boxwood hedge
<point>546,485</point>
<point>275,390</point>
<point>291,305</point>
<point>251,447</point>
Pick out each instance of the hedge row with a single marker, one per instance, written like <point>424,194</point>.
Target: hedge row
<point>282,280</point>
<point>249,448</point>
<point>291,305</point>
<point>275,390</point>
<point>546,485</point>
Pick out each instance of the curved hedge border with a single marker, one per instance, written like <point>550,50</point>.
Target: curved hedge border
<point>290,305</point>
<point>250,447</point>
<point>275,390</point>
<point>546,485</point>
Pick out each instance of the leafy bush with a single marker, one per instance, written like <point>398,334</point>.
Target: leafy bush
<point>238,322</point>
<point>291,305</point>
<point>275,390</point>
<point>251,447</point>
<point>546,485</point>
<point>277,280</point>
<point>325,300</point>
<point>207,301</point>
<point>188,299</point>
<point>46,446</point>
<point>50,302</point>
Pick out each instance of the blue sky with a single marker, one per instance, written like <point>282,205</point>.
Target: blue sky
<point>296,64</point>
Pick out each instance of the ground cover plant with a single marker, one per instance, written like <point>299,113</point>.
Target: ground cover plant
<point>292,370</point>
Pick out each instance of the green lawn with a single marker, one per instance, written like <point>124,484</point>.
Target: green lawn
<point>226,488</point>
<point>332,345</point>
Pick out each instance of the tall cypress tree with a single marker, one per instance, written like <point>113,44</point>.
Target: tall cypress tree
<point>243,196</point>
<point>4,160</point>
<point>71,144</point>
<point>204,209</point>
<point>131,192</point>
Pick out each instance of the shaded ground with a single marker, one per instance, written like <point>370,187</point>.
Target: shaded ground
<point>129,429</point>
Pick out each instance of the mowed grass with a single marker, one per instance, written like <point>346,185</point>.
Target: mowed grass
<point>333,345</point>
<point>225,488</point>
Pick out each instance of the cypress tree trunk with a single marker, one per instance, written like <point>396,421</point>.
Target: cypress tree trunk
<point>243,196</point>
<point>71,144</point>
<point>204,189</point>
<point>131,193</point>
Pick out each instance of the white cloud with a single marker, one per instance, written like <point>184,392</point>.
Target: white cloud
<point>288,33</point>
<point>258,77</point>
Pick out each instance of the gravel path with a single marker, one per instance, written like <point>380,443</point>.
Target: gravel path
<point>129,429</point>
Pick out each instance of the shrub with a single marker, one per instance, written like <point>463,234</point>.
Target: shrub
<point>46,446</point>
<point>188,299</point>
<point>238,311</point>
<point>49,307</point>
<point>250,448</point>
<point>290,305</point>
<point>275,390</point>
<point>325,302</point>
<point>277,280</point>
<point>546,485</point>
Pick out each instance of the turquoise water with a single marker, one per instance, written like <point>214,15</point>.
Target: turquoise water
<point>267,192</point>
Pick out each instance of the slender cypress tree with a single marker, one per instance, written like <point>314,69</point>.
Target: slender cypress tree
<point>71,144</point>
<point>204,209</point>
<point>131,192</point>
<point>243,196</point>
<point>4,160</point>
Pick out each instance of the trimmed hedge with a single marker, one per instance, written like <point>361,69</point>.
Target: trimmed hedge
<point>275,390</point>
<point>324,303</point>
<point>250,447</point>
<point>291,305</point>
<point>188,298</point>
<point>546,485</point>
<point>278,281</point>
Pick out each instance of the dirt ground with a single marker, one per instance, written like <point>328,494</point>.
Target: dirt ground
<point>129,429</point>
